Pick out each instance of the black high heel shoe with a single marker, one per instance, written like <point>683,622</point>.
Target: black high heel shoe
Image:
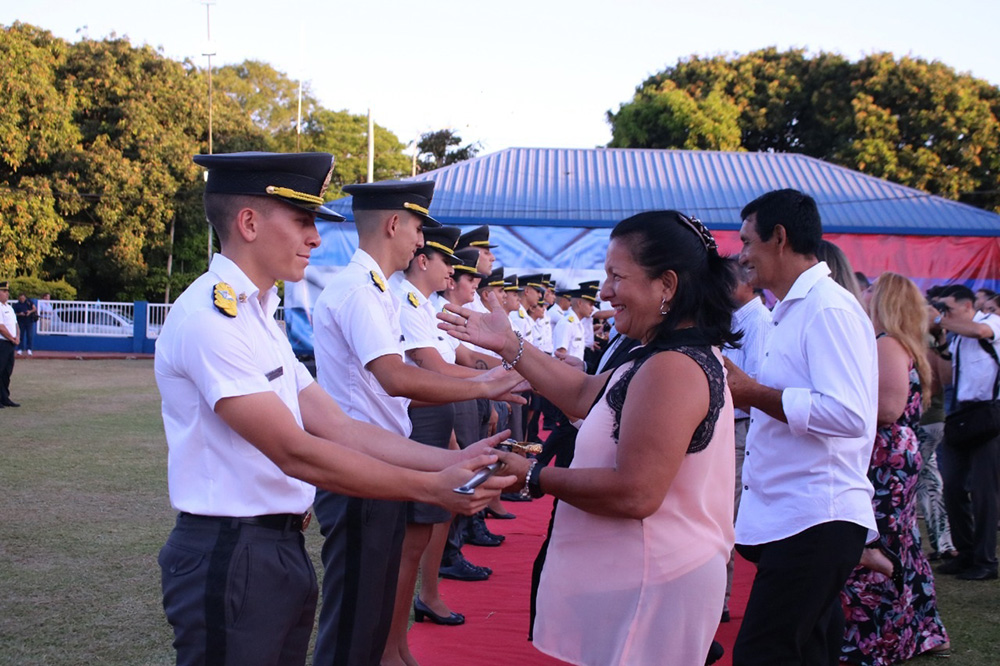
<point>422,610</point>
<point>490,513</point>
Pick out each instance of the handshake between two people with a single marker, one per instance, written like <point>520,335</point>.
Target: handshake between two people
<point>486,469</point>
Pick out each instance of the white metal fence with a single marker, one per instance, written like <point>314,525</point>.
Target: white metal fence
<point>156,314</point>
<point>109,320</point>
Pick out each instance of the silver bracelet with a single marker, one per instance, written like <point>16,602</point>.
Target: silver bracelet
<point>526,492</point>
<point>520,350</point>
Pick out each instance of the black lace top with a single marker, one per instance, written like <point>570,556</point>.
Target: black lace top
<point>702,355</point>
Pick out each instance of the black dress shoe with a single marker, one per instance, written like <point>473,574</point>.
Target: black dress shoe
<point>953,566</point>
<point>10,403</point>
<point>978,573</point>
<point>477,534</point>
<point>715,653</point>
<point>422,610</point>
<point>463,570</point>
<point>481,538</point>
<point>725,616</point>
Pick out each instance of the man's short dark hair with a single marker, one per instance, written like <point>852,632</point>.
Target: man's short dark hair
<point>959,292</point>
<point>793,210</point>
<point>221,209</point>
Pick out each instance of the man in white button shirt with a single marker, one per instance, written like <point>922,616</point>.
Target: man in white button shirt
<point>971,476</point>
<point>806,510</point>
<point>569,336</point>
<point>250,434</point>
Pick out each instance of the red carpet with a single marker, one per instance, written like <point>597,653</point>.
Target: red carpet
<point>496,610</point>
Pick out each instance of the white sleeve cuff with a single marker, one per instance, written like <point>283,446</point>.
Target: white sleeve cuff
<point>797,403</point>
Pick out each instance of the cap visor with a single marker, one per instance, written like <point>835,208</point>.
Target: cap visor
<point>428,220</point>
<point>321,212</point>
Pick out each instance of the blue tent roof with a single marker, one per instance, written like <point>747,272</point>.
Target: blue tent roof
<point>596,188</point>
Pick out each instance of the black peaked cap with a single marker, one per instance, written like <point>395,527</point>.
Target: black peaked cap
<point>414,196</point>
<point>298,179</point>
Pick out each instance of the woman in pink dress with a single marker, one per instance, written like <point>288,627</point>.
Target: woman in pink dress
<point>636,566</point>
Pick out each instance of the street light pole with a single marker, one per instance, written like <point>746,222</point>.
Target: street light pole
<point>209,52</point>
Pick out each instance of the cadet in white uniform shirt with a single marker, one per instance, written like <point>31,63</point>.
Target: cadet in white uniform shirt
<point>806,511</point>
<point>479,238</point>
<point>249,432</point>
<point>359,361</point>
<point>569,337</point>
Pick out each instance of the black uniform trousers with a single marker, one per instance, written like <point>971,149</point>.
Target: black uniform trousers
<point>6,368</point>
<point>468,430</point>
<point>971,483</point>
<point>361,554</point>
<point>794,616</point>
<point>237,594</point>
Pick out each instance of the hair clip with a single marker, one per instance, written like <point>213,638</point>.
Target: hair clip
<point>695,225</point>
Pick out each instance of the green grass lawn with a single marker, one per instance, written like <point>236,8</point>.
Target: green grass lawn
<point>84,511</point>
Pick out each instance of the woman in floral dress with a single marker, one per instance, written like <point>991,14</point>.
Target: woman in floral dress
<point>889,621</point>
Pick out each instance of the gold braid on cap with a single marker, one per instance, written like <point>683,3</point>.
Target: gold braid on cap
<point>292,194</point>
<point>412,206</point>
<point>438,246</point>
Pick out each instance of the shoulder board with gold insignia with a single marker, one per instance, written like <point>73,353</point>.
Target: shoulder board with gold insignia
<point>520,313</point>
<point>225,299</point>
<point>378,281</point>
<point>571,320</point>
<point>412,298</point>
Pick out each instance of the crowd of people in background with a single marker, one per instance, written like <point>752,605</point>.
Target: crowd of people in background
<point>826,414</point>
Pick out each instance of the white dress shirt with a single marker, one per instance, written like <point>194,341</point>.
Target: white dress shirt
<point>754,319</point>
<point>569,335</point>
<point>556,313</point>
<point>814,468</point>
<point>979,370</point>
<point>203,356</point>
<point>418,322</point>
<point>8,318</point>
<point>356,321</point>
<point>522,323</point>
<point>542,328</point>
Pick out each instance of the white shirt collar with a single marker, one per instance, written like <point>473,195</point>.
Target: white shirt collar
<point>243,286</point>
<point>803,284</point>
<point>366,260</point>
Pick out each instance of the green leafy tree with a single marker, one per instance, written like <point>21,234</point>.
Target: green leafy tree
<point>911,121</point>
<point>36,130</point>
<point>269,98</point>
<point>441,148</point>
<point>345,136</point>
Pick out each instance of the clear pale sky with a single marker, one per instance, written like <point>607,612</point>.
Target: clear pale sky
<point>527,73</point>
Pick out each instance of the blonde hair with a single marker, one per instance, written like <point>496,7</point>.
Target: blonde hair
<point>899,308</point>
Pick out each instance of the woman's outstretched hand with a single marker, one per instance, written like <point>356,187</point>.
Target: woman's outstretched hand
<point>490,331</point>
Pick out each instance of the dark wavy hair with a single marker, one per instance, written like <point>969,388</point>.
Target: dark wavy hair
<point>666,240</point>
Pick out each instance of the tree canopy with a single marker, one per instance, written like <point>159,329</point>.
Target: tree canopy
<point>914,122</point>
<point>96,139</point>
<point>441,148</point>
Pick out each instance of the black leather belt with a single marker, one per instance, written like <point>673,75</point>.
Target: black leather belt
<point>294,522</point>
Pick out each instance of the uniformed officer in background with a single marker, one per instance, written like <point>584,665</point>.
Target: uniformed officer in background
<point>250,434</point>
<point>10,337</point>
<point>359,361</point>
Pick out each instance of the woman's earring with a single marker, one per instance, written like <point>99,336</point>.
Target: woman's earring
<point>664,306</point>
